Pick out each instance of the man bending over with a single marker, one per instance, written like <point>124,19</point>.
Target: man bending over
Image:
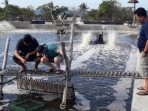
<point>50,53</point>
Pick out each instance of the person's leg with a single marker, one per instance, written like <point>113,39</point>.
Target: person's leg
<point>46,61</point>
<point>17,61</point>
<point>146,84</point>
<point>37,62</point>
<point>57,61</point>
<point>143,68</point>
<point>34,59</point>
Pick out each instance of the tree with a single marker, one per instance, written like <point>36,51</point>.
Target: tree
<point>83,8</point>
<point>126,14</point>
<point>1,14</point>
<point>27,13</point>
<point>92,15</point>
<point>6,10</point>
<point>108,9</point>
<point>49,10</point>
<point>15,11</point>
<point>45,13</point>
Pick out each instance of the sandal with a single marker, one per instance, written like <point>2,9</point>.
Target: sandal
<point>22,70</point>
<point>58,71</point>
<point>141,88</point>
<point>142,93</point>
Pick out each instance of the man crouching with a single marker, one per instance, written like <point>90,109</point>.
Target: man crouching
<point>26,51</point>
<point>50,53</point>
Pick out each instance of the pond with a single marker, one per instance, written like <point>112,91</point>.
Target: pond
<point>92,93</point>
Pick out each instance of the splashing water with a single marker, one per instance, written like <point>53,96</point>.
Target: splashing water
<point>4,25</point>
<point>86,37</point>
<point>112,35</point>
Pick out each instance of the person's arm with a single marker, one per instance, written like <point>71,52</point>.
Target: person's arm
<point>17,49</point>
<point>145,51</point>
<point>60,51</point>
<point>16,53</point>
<point>34,51</point>
<point>146,47</point>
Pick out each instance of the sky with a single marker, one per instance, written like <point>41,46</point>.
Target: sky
<point>92,4</point>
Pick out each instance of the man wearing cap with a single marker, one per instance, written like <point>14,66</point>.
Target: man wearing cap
<point>26,51</point>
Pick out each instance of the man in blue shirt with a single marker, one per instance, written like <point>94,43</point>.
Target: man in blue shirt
<point>26,51</point>
<point>142,44</point>
<point>50,53</point>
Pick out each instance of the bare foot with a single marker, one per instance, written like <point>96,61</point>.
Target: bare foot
<point>141,88</point>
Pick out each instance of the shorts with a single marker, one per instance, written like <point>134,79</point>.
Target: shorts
<point>143,66</point>
<point>31,58</point>
<point>51,59</point>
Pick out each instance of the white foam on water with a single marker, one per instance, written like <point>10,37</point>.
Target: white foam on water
<point>78,62</point>
<point>12,89</point>
<point>82,104</point>
<point>112,35</point>
<point>121,95</point>
<point>132,61</point>
<point>86,37</point>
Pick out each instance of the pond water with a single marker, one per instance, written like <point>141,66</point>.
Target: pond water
<point>92,93</point>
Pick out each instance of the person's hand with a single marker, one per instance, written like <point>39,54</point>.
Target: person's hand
<point>44,59</point>
<point>143,54</point>
<point>27,56</point>
<point>23,60</point>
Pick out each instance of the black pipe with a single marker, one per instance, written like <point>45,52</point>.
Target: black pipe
<point>1,87</point>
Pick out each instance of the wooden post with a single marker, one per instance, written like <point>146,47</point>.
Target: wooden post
<point>1,86</point>
<point>68,90</point>
<point>6,54</point>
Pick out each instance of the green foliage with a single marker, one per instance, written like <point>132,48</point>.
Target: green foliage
<point>108,10</point>
<point>111,11</point>
<point>45,13</point>
<point>92,15</point>
<point>27,13</point>
<point>83,6</point>
<point>49,9</point>
<point>1,14</point>
<point>12,12</point>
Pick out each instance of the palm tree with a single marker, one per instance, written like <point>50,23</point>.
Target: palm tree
<point>83,8</point>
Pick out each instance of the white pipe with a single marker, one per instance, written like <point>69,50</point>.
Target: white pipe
<point>64,99</point>
<point>6,54</point>
<point>71,44</point>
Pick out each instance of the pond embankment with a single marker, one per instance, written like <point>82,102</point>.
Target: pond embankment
<point>26,25</point>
